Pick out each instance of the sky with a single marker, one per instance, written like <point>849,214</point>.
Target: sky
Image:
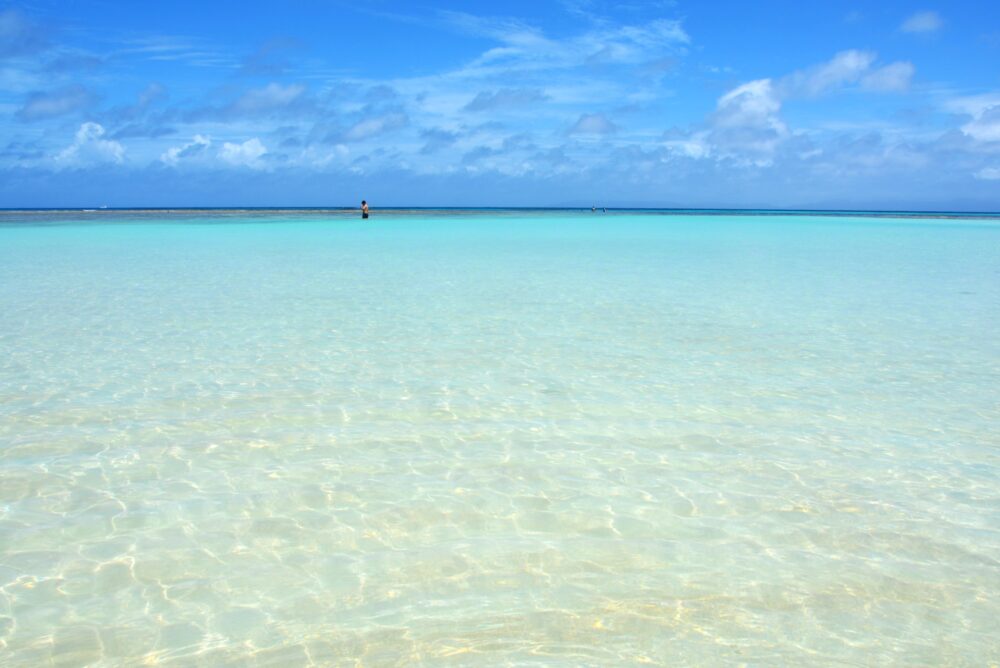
<point>770,104</point>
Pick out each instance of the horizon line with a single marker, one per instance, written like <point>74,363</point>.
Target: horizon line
<point>487,208</point>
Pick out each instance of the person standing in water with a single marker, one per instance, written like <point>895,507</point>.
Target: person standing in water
<point>364,209</point>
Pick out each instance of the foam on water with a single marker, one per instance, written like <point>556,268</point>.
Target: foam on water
<point>557,439</point>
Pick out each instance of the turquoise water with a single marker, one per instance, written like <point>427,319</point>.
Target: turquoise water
<point>498,439</point>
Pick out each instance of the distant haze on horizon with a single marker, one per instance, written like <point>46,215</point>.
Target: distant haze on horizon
<point>545,103</point>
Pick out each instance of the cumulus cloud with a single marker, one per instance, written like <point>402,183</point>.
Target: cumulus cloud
<point>432,124</point>
<point>753,104</point>
<point>197,146</point>
<point>985,126</point>
<point>505,98</point>
<point>89,148</point>
<point>593,124</point>
<point>922,22</point>
<point>747,126</point>
<point>42,105</point>
<point>247,154</point>
<point>747,121</point>
<point>694,145</point>
<point>985,113</point>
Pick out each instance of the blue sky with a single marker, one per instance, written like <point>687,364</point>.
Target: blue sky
<point>547,103</point>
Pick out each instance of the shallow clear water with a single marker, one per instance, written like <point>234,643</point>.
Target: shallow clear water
<point>558,439</point>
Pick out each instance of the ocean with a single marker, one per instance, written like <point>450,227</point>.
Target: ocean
<point>553,438</point>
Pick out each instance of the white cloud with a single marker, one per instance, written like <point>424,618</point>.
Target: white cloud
<point>922,22</point>
<point>593,124</point>
<point>371,127</point>
<point>272,96</point>
<point>753,104</point>
<point>529,73</point>
<point>694,146</point>
<point>633,43</point>
<point>524,48</point>
<point>985,113</point>
<point>272,99</point>
<point>894,77</point>
<point>315,157</point>
<point>746,124</point>
<point>844,68</point>
<point>171,48</point>
<point>988,174</point>
<point>88,148</point>
<point>986,126</point>
<point>174,154</point>
<point>247,154</point>
<point>973,105</point>
<point>55,103</point>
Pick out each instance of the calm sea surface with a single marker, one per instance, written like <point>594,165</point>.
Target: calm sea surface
<point>498,439</point>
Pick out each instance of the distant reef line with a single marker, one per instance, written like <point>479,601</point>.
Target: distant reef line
<point>444,210</point>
